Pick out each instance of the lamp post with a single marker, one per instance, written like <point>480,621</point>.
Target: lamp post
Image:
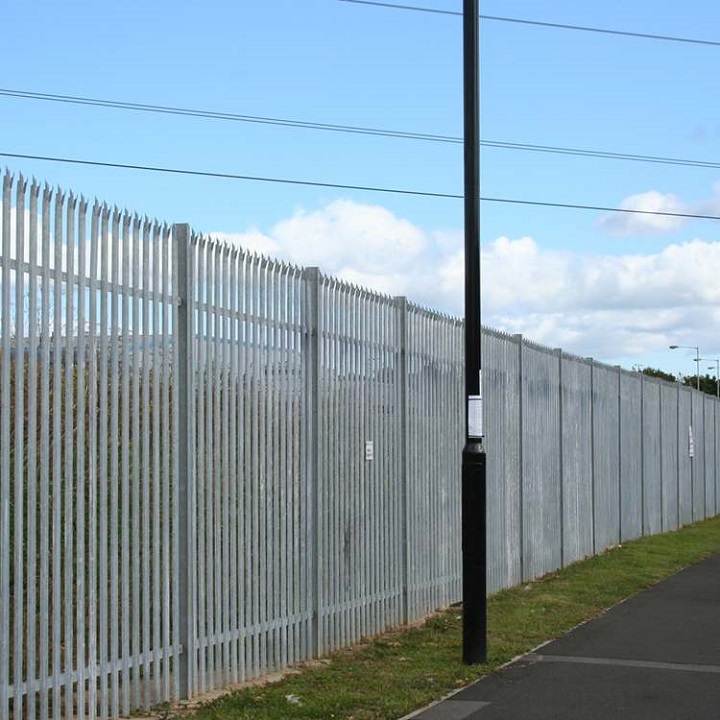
<point>474,649</point>
<point>717,372</point>
<point>697,359</point>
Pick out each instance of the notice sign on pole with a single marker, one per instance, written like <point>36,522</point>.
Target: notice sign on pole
<point>691,442</point>
<point>475,416</point>
<point>475,412</point>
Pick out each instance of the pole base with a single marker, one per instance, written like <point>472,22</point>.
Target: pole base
<point>474,544</point>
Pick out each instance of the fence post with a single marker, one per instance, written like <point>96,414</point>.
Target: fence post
<point>593,474</point>
<point>185,463</point>
<point>518,338</point>
<point>401,304</point>
<point>642,454</point>
<point>312,352</point>
<point>5,415</point>
<point>679,451</point>
<point>561,465</point>
<point>700,450</point>
<point>663,524</point>
<point>715,455</point>
<point>620,462</point>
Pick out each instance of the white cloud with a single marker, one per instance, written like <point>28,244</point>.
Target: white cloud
<point>521,275</point>
<point>605,306</point>
<point>366,238</point>
<point>362,244</point>
<point>636,223</point>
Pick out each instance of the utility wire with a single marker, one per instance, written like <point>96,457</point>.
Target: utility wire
<point>227,176</point>
<point>216,115</point>
<point>604,154</point>
<point>600,208</point>
<point>405,7</point>
<point>364,188</point>
<point>354,129</point>
<point>539,23</point>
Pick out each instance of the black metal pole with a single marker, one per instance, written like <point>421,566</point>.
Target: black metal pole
<point>473,457</point>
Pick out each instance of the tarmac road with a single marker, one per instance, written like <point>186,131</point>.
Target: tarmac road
<point>655,656</point>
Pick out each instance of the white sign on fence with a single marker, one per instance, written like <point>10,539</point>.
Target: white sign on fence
<point>369,450</point>
<point>691,442</point>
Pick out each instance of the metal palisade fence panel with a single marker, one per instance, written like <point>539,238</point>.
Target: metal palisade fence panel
<point>322,444</point>
<point>214,465</point>
<point>503,417</point>
<point>541,529</point>
<point>87,509</point>
<point>576,457</point>
<point>582,456</point>
<point>434,430</point>
<point>606,455</point>
<point>359,510</point>
<point>631,455</point>
<point>249,505</point>
<point>652,492</point>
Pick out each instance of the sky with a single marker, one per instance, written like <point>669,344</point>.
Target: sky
<point>617,287</point>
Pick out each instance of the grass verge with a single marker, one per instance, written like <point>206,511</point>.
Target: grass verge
<point>392,675</point>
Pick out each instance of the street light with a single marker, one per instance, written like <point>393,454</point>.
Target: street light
<point>697,358</point>
<point>717,372</point>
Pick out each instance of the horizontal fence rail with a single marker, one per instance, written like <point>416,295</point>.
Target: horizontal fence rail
<point>214,465</point>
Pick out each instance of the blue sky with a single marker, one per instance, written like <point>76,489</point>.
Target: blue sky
<point>618,288</point>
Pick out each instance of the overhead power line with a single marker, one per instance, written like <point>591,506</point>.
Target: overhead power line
<point>395,6</point>
<point>599,208</point>
<point>604,154</point>
<point>227,176</point>
<point>217,115</point>
<point>339,186</point>
<point>539,23</point>
<point>353,129</point>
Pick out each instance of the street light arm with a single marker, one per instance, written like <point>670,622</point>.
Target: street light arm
<point>696,348</point>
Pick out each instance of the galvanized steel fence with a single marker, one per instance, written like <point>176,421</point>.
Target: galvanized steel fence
<point>213,465</point>
<point>583,456</point>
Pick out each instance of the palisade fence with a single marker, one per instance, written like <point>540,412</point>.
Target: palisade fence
<point>214,465</point>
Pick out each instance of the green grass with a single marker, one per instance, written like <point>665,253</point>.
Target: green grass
<point>401,671</point>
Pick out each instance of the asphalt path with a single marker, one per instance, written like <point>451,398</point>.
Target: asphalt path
<point>655,656</point>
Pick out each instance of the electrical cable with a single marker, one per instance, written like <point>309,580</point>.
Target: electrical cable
<point>227,176</point>
<point>355,129</point>
<point>539,23</point>
<point>217,115</point>
<point>396,6</point>
<point>339,186</point>
<point>604,154</point>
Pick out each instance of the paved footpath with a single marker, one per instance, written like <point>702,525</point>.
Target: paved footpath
<point>655,656</point>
